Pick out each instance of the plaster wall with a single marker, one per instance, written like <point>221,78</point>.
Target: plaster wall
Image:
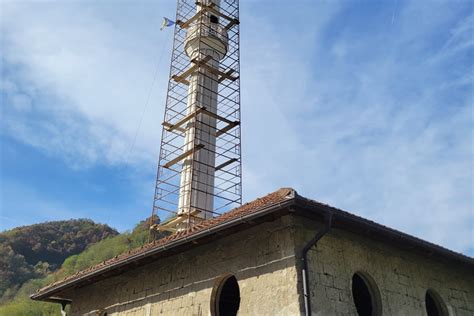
<point>401,276</point>
<point>262,259</point>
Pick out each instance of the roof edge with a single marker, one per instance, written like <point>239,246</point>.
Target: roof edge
<point>395,234</point>
<point>290,200</point>
<point>281,199</point>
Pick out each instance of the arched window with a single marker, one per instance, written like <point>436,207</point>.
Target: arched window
<point>225,298</point>
<point>366,295</point>
<point>434,304</point>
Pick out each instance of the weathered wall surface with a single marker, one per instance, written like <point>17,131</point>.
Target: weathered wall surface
<point>261,258</point>
<point>264,259</point>
<point>402,277</point>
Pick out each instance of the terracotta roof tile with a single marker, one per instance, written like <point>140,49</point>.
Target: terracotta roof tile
<point>255,206</point>
<point>248,208</point>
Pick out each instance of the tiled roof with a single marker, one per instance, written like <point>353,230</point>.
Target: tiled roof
<point>271,199</point>
<point>270,203</point>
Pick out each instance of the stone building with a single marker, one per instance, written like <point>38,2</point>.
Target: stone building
<point>281,254</point>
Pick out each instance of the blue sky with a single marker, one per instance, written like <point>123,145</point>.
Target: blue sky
<point>365,105</point>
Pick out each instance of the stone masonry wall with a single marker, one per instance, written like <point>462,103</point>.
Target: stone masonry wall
<point>261,258</point>
<point>401,276</point>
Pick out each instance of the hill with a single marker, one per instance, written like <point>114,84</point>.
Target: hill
<point>34,251</point>
<point>21,305</point>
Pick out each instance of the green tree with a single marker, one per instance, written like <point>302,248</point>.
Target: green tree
<point>108,248</point>
<point>34,251</point>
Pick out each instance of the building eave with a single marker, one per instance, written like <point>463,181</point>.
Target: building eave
<point>287,201</point>
<point>361,226</point>
<point>46,293</point>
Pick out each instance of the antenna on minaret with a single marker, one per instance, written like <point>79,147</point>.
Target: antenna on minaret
<point>199,167</point>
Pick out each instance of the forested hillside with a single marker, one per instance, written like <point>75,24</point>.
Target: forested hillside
<point>21,305</point>
<point>35,251</point>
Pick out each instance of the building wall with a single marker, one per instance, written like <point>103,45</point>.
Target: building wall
<point>261,258</point>
<point>401,276</point>
<point>264,262</point>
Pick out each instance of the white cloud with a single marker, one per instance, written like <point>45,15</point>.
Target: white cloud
<point>93,77</point>
<point>359,122</point>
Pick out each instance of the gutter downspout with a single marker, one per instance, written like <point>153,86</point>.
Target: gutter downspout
<point>63,309</point>
<point>304,259</point>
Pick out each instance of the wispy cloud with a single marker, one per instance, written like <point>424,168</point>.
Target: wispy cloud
<point>89,78</point>
<point>357,105</point>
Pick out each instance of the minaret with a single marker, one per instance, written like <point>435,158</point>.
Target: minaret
<point>205,40</point>
<point>199,169</point>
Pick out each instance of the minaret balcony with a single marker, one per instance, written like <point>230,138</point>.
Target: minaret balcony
<point>204,36</point>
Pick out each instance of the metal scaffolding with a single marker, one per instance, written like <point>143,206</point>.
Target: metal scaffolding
<point>199,169</point>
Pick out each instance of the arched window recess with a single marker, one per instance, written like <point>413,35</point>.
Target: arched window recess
<point>225,296</point>
<point>366,295</point>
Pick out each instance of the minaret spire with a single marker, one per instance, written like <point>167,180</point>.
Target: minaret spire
<point>199,168</point>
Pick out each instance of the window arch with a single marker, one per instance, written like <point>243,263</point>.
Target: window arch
<point>366,295</point>
<point>101,312</point>
<point>225,297</point>
<point>434,304</point>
